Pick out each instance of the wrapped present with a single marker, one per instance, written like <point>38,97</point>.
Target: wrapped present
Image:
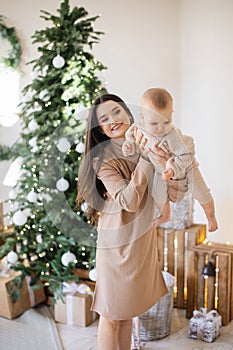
<point>210,328</point>
<point>76,308</point>
<point>28,299</point>
<point>205,326</point>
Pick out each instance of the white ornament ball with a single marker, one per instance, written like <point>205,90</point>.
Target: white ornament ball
<point>12,257</point>
<point>63,145</point>
<point>32,197</point>
<point>80,148</point>
<point>39,238</point>
<point>32,126</point>
<point>19,218</point>
<point>33,141</point>
<point>62,185</point>
<point>93,275</point>
<point>44,95</point>
<point>84,206</point>
<point>19,160</point>
<point>58,61</point>
<point>35,149</point>
<point>81,113</point>
<point>68,258</point>
<point>12,194</point>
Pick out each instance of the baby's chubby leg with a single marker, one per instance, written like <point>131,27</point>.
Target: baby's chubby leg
<point>164,215</point>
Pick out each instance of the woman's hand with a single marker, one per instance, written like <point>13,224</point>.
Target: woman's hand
<point>160,155</point>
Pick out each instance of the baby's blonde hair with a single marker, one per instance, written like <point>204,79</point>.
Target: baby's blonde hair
<point>159,98</point>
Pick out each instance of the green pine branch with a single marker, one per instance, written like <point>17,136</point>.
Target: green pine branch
<point>40,242</point>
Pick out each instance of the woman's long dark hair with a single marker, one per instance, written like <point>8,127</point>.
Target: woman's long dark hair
<point>90,188</point>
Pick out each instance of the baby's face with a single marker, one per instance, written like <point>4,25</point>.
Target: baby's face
<point>158,122</point>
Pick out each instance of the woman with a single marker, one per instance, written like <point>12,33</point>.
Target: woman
<point>118,191</point>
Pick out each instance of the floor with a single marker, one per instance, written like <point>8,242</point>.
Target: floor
<point>85,338</point>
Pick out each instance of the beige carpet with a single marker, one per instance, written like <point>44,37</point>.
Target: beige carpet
<point>180,341</point>
<point>85,338</point>
<point>34,330</point>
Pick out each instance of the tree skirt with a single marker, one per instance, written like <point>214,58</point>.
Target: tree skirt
<point>34,330</point>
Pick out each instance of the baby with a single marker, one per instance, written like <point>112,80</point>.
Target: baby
<point>157,127</point>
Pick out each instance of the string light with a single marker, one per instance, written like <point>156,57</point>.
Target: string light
<point>216,282</point>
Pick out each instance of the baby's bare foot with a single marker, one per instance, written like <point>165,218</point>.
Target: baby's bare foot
<point>212,224</point>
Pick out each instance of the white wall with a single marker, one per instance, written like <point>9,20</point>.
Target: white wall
<point>206,95</point>
<point>183,45</point>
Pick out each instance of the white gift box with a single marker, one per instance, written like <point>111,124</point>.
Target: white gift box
<point>205,326</point>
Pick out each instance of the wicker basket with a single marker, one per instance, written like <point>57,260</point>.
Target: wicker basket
<point>156,322</point>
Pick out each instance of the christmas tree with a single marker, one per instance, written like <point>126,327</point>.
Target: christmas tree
<point>51,236</point>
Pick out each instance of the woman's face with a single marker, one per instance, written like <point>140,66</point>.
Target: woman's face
<point>113,120</point>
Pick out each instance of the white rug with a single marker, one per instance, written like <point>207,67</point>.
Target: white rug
<point>34,330</point>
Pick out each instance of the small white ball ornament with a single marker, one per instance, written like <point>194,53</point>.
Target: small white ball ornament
<point>19,218</point>
<point>81,113</point>
<point>58,61</point>
<point>19,160</point>
<point>62,185</point>
<point>44,95</point>
<point>80,148</point>
<point>32,197</point>
<point>93,275</point>
<point>68,258</point>
<point>32,126</point>
<point>33,141</point>
<point>63,145</point>
<point>39,238</point>
<point>12,194</point>
<point>84,206</point>
<point>12,257</point>
<point>35,149</point>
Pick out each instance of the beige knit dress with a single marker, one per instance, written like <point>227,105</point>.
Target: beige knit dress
<point>129,279</point>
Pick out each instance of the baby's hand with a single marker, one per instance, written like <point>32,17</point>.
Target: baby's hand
<point>168,174</point>
<point>128,148</point>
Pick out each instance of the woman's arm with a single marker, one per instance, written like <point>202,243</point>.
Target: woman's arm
<point>127,193</point>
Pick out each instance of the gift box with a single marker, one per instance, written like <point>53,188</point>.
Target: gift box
<point>76,308</point>
<point>205,326</point>
<point>28,299</point>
